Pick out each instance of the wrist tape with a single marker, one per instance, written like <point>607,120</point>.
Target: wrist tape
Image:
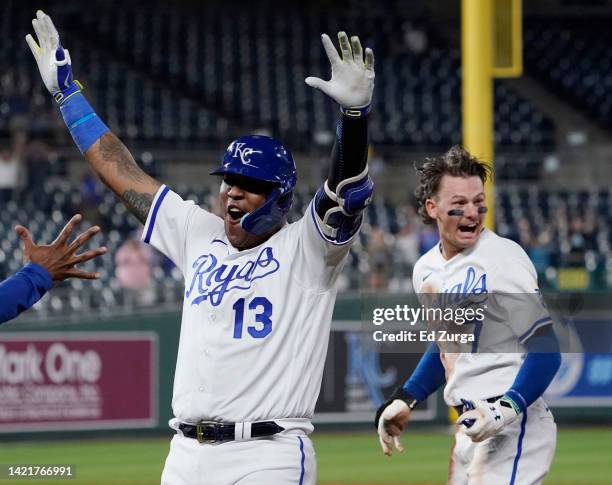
<point>82,121</point>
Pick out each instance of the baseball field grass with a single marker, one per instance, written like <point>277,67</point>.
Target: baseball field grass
<point>584,457</point>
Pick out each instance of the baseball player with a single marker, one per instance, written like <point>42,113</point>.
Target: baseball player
<point>259,292</point>
<point>505,433</point>
<point>46,264</point>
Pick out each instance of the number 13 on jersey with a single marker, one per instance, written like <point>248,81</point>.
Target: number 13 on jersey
<point>261,310</point>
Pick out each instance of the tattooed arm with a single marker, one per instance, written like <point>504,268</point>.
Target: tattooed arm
<point>116,167</point>
<point>109,158</point>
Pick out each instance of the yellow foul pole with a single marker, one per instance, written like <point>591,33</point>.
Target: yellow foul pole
<point>477,85</point>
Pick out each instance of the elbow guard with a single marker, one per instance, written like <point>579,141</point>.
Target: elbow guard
<point>352,195</point>
<point>340,212</point>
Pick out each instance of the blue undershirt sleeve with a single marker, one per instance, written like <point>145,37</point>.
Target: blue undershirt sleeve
<point>22,290</point>
<point>428,376</point>
<point>538,369</point>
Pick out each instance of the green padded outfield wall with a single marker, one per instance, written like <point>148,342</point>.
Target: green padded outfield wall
<point>113,374</point>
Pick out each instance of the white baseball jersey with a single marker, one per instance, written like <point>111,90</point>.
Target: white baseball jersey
<point>494,265</point>
<point>255,324</point>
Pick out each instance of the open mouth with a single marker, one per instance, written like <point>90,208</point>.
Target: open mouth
<point>235,212</point>
<point>468,228</point>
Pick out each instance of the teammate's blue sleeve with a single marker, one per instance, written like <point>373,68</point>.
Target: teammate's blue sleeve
<point>538,369</point>
<point>22,290</point>
<point>428,376</point>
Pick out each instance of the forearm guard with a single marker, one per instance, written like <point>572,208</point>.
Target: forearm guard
<point>348,189</point>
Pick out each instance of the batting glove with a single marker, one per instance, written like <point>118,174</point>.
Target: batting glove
<point>483,419</point>
<point>391,423</point>
<point>52,59</point>
<point>352,79</point>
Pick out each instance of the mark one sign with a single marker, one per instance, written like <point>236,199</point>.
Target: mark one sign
<point>58,365</point>
<point>77,380</point>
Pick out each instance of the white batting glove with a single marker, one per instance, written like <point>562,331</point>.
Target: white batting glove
<point>352,79</point>
<point>53,60</point>
<point>391,424</point>
<point>486,419</point>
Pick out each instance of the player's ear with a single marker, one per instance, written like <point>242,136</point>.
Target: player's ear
<point>432,208</point>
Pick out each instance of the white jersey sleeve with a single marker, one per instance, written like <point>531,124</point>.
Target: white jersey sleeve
<point>170,221</point>
<point>515,280</point>
<point>318,261</point>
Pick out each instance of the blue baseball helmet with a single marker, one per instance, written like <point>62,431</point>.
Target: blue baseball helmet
<point>266,159</point>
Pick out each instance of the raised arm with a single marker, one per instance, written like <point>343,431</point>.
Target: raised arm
<point>116,167</point>
<point>339,204</point>
<point>109,158</point>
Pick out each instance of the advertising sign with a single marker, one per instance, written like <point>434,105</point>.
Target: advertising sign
<point>78,380</point>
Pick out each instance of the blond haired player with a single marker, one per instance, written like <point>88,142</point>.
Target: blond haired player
<point>505,432</point>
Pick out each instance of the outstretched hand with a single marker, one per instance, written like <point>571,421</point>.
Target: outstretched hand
<point>59,257</point>
<point>352,78</point>
<point>52,59</point>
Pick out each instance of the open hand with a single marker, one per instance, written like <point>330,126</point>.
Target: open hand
<point>352,79</point>
<point>52,59</point>
<point>59,257</point>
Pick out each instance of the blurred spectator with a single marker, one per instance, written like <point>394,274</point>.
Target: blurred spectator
<point>15,98</point>
<point>407,240</point>
<point>560,218</point>
<point>134,271</point>
<point>590,228</point>
<point>540,252</point>
<point>11,166</point>
<point>376,162</point>
<point>524,232</point>
<point>38,167</point>
<point>428,238</point>
<point>577,242</point>
<point>379,258</point>
<point>91,197</point>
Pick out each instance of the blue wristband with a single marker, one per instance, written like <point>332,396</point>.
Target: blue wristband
<point>517,399</point>
<point>62,96</point>
<point>82,121</point>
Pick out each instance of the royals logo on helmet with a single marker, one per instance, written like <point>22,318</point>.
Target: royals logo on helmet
<point>243,152</point>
